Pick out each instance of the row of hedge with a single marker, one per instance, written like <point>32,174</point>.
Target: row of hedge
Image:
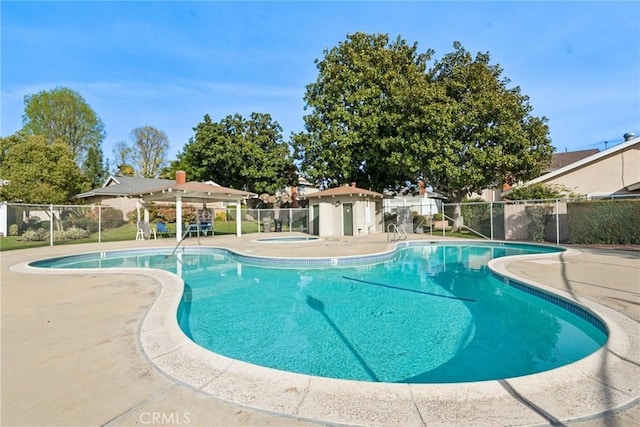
<point>85,220</point>
<point>41,234</point>
<point>614,222</point>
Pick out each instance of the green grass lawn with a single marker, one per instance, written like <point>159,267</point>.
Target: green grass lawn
<point>126,232</point>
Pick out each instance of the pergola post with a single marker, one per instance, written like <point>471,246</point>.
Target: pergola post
<point>238,218</point>
<point>178,218</point>
<point>195,192</point>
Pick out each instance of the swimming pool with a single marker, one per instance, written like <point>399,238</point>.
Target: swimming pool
<point>436,311</point>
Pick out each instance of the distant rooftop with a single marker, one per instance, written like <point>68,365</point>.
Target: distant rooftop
<point>560,160</point>
<point>125,186</point>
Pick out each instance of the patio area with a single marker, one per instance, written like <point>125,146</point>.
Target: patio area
<point>72,353</point>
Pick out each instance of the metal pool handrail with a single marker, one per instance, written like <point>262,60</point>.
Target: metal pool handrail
<point>396,232</point>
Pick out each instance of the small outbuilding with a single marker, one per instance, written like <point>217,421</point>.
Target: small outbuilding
<point>345,211</point>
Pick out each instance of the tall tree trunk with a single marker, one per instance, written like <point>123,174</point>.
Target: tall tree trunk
<point>458,220</point>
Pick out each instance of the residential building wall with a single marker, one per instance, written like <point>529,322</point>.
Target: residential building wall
<point>125,204</point>
<point>610,175</point>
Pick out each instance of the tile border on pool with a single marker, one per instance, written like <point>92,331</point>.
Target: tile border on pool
<point>557,300</point>
<point>343,402</point>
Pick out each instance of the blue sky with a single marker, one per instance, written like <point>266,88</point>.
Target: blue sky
<point>167,64</point>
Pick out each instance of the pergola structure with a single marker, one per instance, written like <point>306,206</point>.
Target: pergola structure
<point>195,192</point>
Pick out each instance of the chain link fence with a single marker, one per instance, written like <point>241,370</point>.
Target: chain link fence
<point>31,225</point>
<point>553,221</point>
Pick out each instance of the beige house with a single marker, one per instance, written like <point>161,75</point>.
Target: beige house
<point>614,172</point>
<point>121,192</point>
<point>345,211</point>
<point>117,192</point>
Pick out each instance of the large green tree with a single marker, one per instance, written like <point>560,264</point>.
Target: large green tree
<point>39,172</point>
<point>490,136</point>
<point>370,107</point>
<point>94,167</point>
<point>63,114</point>
<point>239,153</point>
<point>381,118</point>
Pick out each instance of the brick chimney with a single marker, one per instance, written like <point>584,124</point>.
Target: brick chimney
<point>181,177</point>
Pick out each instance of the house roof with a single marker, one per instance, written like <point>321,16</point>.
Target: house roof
<point>585,161</point>
<point>193,191</point>
<point>303,181</point>
<point>346,190</point>
<point>563,159</point>
<point>124,186</point>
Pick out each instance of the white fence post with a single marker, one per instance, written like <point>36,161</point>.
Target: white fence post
<point>491,218</point>
<point>51,225</point>
<point>557,222</point>
<point>99,224</point>
<point>4,226</point>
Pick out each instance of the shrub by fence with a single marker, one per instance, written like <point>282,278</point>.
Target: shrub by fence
<point>604,222</point>
<point>554,221</point>
<point>38,225</point>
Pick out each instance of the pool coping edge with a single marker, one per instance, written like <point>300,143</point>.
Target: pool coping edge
<point>360,403</point>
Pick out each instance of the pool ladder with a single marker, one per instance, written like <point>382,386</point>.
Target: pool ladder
<point>182,241</point>
<point>399,233</point>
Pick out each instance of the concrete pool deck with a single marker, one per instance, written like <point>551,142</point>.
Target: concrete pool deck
<point>76,350</point>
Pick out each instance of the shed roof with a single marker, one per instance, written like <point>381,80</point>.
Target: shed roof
<point>346,190</point>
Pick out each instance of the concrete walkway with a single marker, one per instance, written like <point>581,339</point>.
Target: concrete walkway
<point>71,353</point>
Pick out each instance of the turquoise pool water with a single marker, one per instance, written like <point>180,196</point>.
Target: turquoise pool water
<point>430,313</point>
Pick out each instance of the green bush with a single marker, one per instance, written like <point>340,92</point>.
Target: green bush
<point>540,191</point>
<point>35,235</point>
<point>419,220</point>
<point>189,214</point>
<point>539,218</point>
<point>476,215</point>
<point>86,224</point>
<point>75,233</point>
<point>221,216</point>
<point>33,223</point>
<point>72,233</point>
<point>166,214</point>
<point>604,222</point>
<point>13,230</point>
<point>132,216</point>
<point>111,218</point>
